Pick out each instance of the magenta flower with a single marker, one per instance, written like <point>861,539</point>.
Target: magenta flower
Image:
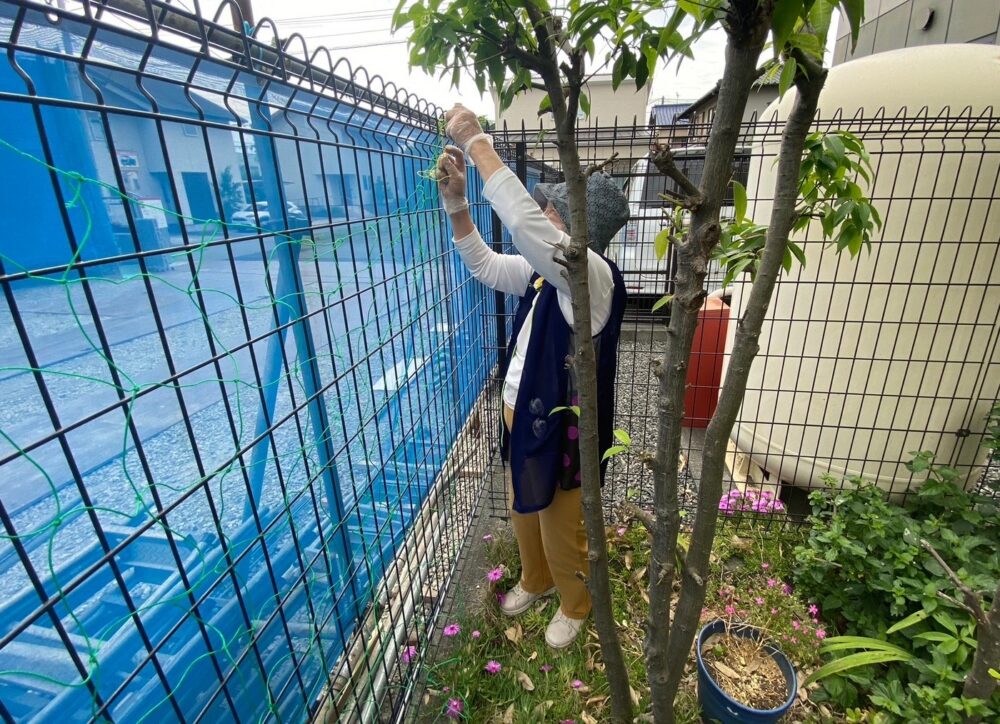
<point>452,629</point>
<point>492,667</point>
<point>759,601</point>
<point>409,654</point>
<point>454,710</point>
<point>774,611</point>
<point>476,634</point>
<point>621,532</point>
<point>813,610</point>
<point>576,683</point>
<point>730,610</point>
<point>495,575</point>
<point>771,583</point>
<point>786,589</point>
<point>820,634</point>
<point>545,668</point>
<point>796,625</point>
<point>567,721</point>
<point>765,566</point>
<point>795,639</point>
<point>487,538</point>
<point>446,689</point>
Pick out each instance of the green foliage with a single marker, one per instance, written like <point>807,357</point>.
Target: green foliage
<point>863,562</point>
<point>828,190</point>
<point>831,165</point>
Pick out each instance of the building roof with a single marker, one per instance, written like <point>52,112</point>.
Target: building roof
<point>688,113</point>
<point>665,114</point>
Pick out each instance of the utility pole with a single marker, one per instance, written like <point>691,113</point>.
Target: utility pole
<point>246,8</point>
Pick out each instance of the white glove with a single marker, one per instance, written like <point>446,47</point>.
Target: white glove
<point>463,127</point>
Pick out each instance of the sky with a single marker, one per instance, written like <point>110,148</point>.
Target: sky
<point>361,33</point>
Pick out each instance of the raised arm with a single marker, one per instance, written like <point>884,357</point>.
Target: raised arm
<point>506,273</point>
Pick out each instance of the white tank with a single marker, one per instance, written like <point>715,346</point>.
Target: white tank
<point>863,361</point>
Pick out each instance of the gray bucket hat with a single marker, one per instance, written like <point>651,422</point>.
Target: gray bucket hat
<point>607,208</point>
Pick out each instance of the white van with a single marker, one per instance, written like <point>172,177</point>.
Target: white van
<point>633,248</point>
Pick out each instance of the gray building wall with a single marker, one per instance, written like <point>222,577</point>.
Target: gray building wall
<point>893,24</point>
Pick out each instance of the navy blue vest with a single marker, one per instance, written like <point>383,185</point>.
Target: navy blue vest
<point>542,448</point>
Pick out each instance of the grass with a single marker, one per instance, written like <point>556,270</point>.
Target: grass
<point>537,684</point>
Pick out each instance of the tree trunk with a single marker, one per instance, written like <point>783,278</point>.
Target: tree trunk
<point>747,33</point>
<point>585,365</point>
<point>783,217</point>
<point>980,684</point>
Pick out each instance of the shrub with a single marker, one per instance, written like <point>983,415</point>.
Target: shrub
<point>865,568</point>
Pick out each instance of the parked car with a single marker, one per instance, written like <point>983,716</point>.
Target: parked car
<point>245,214</point>
<point>633,248</point>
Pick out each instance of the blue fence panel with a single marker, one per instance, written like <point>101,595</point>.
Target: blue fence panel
<point>236,346</point>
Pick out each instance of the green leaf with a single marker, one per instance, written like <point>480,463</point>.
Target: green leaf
<point>936,636</point>
<point>661,242</point>
<point>545,106</point>
<point>787,76</point>
<point>566,408</point>
<point>740,200</point>
<point>913,618</point>
<point>612,451</point>
<point>944,618</point>
<point>820,16</point>
<point>584,104</point>
<point>664,300</point>
<point>854,11</point>
<point>995,674</point>
<point>797,252</point>
<point>865,658</point>
<point>623,436</point>
<point>841,643</point>
<point>786,12</point>
<point>691,7</point>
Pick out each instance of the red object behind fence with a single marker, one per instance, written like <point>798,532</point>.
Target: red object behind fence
<point>705,366</point>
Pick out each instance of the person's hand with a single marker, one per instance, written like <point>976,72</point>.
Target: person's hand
<point>462,126</point>
<point>451,180</point>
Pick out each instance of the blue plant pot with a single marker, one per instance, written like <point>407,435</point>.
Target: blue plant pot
<point>717,705</point>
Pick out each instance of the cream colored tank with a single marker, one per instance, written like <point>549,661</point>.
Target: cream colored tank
<point>863,361</point>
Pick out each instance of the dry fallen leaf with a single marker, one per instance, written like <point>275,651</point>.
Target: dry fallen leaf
<point>514,633</point>
<point>534,655</point>
<point>725,670</point>
<point>583,689</point>
<point>645,596</point>
<point>538,713</point>
<point>637,576</point>
<point>628,561</point>
<point>597,700</point>
<point>508,715</point>
<point>525,681</point>
<point>587,718</point>
<point>635,696</point>
<point>590,664</point>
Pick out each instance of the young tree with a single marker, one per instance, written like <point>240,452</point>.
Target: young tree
<point>516,45</point>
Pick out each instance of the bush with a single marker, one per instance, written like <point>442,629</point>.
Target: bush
<point>862,562</point>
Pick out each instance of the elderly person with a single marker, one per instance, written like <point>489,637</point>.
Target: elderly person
<point>543,476</point>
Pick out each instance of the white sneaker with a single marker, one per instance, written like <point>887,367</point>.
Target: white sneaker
<point>517,600</point>
<point>562,630</point>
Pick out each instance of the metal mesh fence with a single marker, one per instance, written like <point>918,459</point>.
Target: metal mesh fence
<point>242,371</point>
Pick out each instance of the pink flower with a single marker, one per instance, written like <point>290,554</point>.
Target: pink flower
<point>567,721</point>
<point>493,667</point>
<point>545,668</point>
<point>786,589</point>
<point>813,610</point>
<point>454,710</point>
<point>796,625</point>
<point>759,601</point>
<point>495,575</point>
<point>730,610</point>
<point>771,583</point>
<point>774,611</point>
<point>820,634</point>
<point>452,629</point>
<point>795,639</point>
<point>765,566</point>
<point>446,689</point>
<point>487,538</point>
<point>500,597</point>
<point>621,532</point>
<point>576,683</point>
<point>409,654</point>
<point>476,634</point>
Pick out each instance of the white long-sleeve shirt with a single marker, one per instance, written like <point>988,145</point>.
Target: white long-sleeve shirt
<point>533,236</point>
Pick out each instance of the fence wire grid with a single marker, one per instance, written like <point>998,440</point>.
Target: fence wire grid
<point>251,394</point>
<point>241,366</point>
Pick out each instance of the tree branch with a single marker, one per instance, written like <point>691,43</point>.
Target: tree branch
<point>973,602</point>
<point>591,170</point>
<point>634,512</point>
<point>663,158</point>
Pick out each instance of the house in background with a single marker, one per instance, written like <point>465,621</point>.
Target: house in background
<point>699,115</point>
<point>893,24</point>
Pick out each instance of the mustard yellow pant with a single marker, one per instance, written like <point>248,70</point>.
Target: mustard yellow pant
<point>553,546</point>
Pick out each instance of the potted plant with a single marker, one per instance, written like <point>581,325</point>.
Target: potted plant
<point>742,676</point>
